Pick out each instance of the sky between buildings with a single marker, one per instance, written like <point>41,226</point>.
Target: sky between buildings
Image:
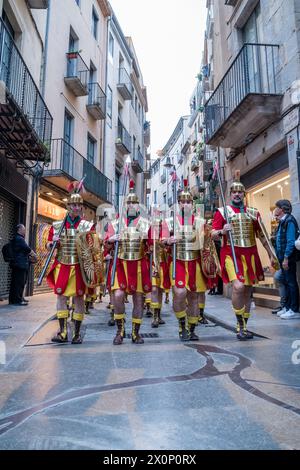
<point>168,39</point>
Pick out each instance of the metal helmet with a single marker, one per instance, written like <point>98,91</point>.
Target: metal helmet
<point>185,195</point>
<point>74,189</point>
<point>236,185</point>
<point>132,196</point>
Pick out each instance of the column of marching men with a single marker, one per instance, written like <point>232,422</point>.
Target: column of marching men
<point>146,256</point>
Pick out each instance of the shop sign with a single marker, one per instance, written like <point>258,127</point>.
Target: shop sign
<point>50,210</point>
<point>291,120</point>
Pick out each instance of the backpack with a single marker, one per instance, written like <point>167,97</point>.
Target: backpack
<point>8,252</point>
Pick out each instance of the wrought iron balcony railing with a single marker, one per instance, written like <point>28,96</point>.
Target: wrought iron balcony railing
<point>124,84</point>
<point>96,105</point>
<point>138,161</point>
<point>253,71</point>
<point>25,120</point>
<point>68,161</point>
<point>123,141</point>
<point>77,74</point>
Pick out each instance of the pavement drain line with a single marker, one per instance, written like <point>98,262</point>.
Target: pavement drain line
<point>226,326</point>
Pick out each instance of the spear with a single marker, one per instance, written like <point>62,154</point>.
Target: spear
<point>124,191</point>
<point>217,172</point>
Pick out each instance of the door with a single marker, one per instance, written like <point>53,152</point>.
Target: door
<point>7,226</point>
<point>68,152</point>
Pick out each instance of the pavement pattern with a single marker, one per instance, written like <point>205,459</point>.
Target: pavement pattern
<point>215,393</point>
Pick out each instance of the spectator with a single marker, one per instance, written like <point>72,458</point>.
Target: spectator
<point>286,234</point>
<point>20,267</point>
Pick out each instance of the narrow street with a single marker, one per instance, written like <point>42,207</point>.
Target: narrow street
<point>216,393</point>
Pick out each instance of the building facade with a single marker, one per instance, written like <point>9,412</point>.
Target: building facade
<point>25,121</point>
<point>73,81</point>
<point>252,115</point>
<point>127,131</point>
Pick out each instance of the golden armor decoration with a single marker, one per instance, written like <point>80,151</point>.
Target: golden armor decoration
<point>91,260</point>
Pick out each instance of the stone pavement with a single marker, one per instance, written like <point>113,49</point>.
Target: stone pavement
<point>216,393</point>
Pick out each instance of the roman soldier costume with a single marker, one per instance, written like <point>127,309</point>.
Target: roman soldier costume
<point>161,259</point>
<point>76,267</point>
<point>132,267</point>
<point>246,225</point>
<point>189,275</point>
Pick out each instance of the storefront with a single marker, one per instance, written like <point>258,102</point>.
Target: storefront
<point>13,200</point>
<point>48,212</point>
<point>264,197</point>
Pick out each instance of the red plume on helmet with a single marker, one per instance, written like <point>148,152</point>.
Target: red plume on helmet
<point>75,188</point>
<point>132,196</point>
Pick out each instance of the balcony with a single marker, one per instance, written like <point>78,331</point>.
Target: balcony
<point>179,158</point>
<point>77,74</point>
<point>96,102</point>
<point>124,85</point>
<point>38,4</point>
<point>25,121</point>
<point>247,100</point>
<point>147,174</point>
<point>137,162</point>
<point>123,142</point>
<point>147,133</point>
<point>207,170</point>
<point>67,165</point>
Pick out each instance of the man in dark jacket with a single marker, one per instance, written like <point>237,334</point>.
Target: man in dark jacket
<point>286,234</point>
<point>20,266</point>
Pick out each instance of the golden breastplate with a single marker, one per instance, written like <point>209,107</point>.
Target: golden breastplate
<point>67,250</point>
<point>131,245</point>
<point>187,247</point>
<point>242,230</point>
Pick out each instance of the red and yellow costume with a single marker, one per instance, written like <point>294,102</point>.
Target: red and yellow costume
<point>65,275</point>
<point>245,228</point>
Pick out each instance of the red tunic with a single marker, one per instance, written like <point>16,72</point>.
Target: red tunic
<point>129,282</point>
<point>218,224</point>
<point>63,280</point>
<point>195,283</point>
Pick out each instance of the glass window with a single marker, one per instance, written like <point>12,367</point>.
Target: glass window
<point>111,45</point>
<point>91,149</point>
<point>109,102</point>
<point>95,20</point>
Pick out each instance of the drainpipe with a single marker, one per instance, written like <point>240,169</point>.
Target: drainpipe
<point>38,170</point>
<point>105,81</point>
<point>45,54</point>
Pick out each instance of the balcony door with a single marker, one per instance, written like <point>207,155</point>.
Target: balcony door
<point>252,33</point>
<point>7,35</point>
<point>68,154</point>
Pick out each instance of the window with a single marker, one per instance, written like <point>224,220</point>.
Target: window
<point>133,146</point>
<point>155,196</point>
<point>165,198</point>
<point>78,2</point>
<point>95,21</point>
<point>111,46</point>
<point>68,127</point>
<point>117,190</point>
<point>109,102</point>
<point>139,113</point>
<point>135,104</point>
<point>91,149</point>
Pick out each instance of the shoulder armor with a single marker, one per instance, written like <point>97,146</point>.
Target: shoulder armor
<point>84,226</point>
<point>143,225</point>
<point>56,226</point>
<point>252,212</point>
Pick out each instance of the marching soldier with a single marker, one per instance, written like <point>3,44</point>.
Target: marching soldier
<point>189,281</point>
<point>245,224</point>
<point>67,276</point>
<point>160,266</point>
<point>132,267</point>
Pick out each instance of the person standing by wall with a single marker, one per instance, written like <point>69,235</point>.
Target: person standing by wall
<point>20,266</point>
<point>286,234</point>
